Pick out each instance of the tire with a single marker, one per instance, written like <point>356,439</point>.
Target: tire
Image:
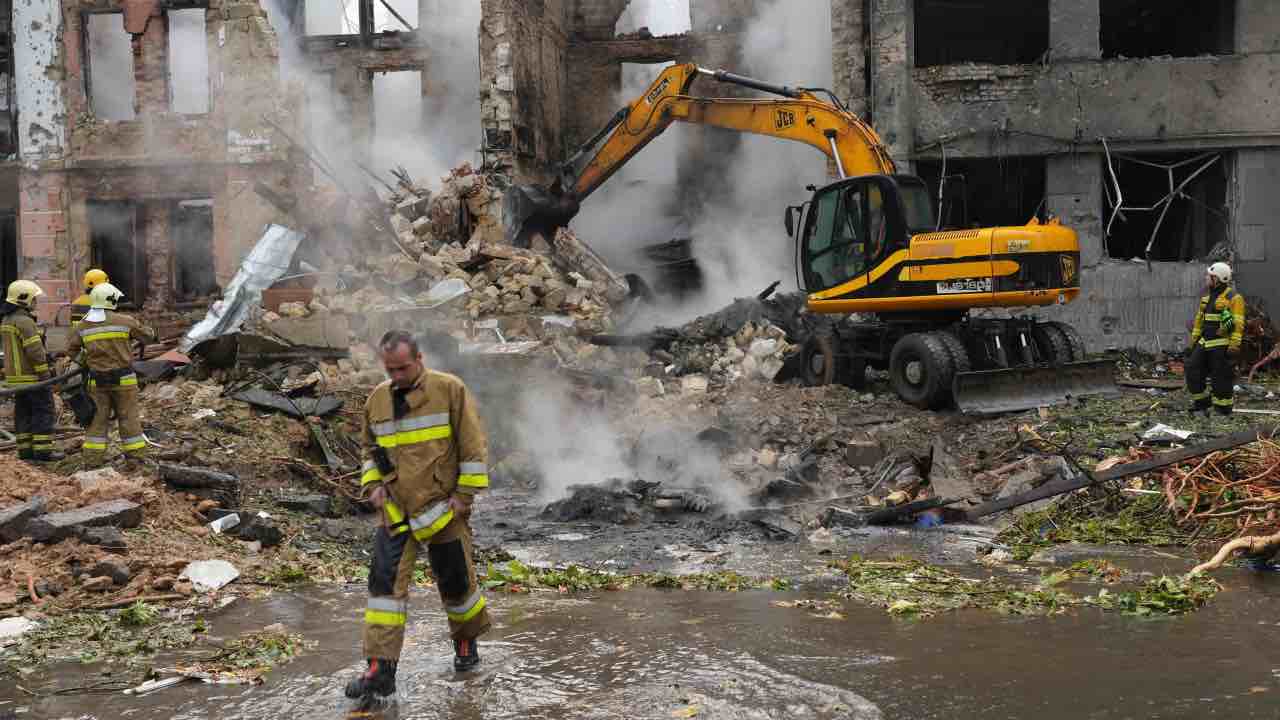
<point>921,371</point>
<point>959,354</point>
<point>1052,343</point>
<point>1074,341</point>
<point>818,361</point>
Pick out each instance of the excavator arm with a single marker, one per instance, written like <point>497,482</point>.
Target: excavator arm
<point>799,115</point>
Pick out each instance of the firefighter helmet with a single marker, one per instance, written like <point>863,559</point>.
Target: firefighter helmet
<point>23,293</point>
<point>1221,271</point>
<point>94,278</point>
<point>105,297</point>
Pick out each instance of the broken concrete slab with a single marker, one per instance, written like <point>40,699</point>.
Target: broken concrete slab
<point>117,571</point>
<point>98,584</point>
<point>260,529</point>
<point>208,575</point>
<point>89,479</point>
<point>320,330</point>
<point>109,538</point>
<point>14,520</point>
<point>863,453</point>
<point>947,478</point>
<point>320,505</point>
<point>56,527</point>
<point>13,628</point>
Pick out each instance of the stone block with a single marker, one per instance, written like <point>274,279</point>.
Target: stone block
<point>314,504</point>
<point>14,520</point>
<point>60,526</point>
<point>863,453</point>
<point>117,571</point>
<point>321,330</point>
<point>422,227</point>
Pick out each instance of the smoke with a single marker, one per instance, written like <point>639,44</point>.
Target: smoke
<point>111,67</point>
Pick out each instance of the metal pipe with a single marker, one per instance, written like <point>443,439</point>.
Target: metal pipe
<point>761,85</point>
<point>835,152</point>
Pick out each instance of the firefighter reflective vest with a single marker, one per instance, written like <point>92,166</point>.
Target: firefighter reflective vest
<point>25,361</point>
<point>106,342</point>
<point>1220,320</point>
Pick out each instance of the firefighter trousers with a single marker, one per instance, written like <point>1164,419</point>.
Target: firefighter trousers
<point>391,572</point>
<point>1211,368</point>
<point>33,424</point>
<point>123,399</point>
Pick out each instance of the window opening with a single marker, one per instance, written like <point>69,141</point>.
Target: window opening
<point>188,62</point>
<point>1000,32</point>
<point>110,61</point>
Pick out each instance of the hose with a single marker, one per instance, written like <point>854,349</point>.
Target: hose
<point>19,389</point>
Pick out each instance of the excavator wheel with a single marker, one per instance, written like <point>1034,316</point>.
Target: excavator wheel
<point>818,361</point>
<point>1053,344</point>
<point>921,369</point>
<point>959,354</point>
<point>1074,341</point>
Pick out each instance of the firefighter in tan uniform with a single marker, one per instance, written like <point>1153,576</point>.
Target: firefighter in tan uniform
<point>425,459</point>
<point>26,363</point>
<point>104,336</point>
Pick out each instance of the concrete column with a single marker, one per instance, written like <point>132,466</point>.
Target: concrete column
<point>1255,218</point>
<point>892,57</point>
<point>1256,23</point>
<point>849,54</point>
<point>42,229</point>
<point>37,70</point>
<point>1075,30</point>
<point>1074,194</point>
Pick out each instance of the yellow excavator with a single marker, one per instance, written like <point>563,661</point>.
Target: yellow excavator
<point>866,245</point>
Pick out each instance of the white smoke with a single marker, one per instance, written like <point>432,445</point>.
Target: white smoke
<point>188,61</point>
<point>111,67</point>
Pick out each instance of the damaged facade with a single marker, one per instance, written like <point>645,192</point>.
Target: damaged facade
<point>138,126</point>
<point>1153,137</point>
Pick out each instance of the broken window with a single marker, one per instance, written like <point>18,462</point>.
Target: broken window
<point>1140,28</point>
<point>110,63</point>
<point>191,228</point>
<point>115,246</point>
<point>332,17</point>
<point>398,123</point>
<point>1001,32</point>
<point>188,62</point>
<point>397,15</point>
<point>1170,206</point>
<point>985,192</point>
<point>655,18</point>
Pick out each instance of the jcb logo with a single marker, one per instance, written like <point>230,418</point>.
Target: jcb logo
<point>657,92</point>
<point>784,119</point>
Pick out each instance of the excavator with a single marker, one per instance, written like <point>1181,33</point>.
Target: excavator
<point>935,309</point>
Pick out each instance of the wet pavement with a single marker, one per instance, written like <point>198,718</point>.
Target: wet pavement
<point>658,654</point>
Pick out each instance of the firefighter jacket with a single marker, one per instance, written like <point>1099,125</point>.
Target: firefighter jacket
<point>25,361</point>
<point>1220,320</point>
<point>106,343</point>
<point>424,444</point>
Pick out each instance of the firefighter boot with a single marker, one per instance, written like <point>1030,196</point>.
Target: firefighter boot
<point>378,679</point>
<point>466,656</point>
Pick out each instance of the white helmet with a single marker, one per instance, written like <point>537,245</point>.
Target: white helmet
<point>105,296</point>
<point>1222,271</point>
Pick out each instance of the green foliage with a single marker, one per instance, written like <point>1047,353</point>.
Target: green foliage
<point>1113,520</point>
<point>262,650</point>
<point>1162,596</point>
<point>514,576</point>
<point>908,587</point>
<point>287,574</point>
<point>138,615</point>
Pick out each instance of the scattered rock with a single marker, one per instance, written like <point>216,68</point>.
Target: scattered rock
<point>863,453</point>
<point>90,479</point>
<point>650,387</point>
<point>205,506</point>
<point>7,600</point>
<point>262,530</point>
<point>767,457</point>
<point>118,572</point>
<point>60,526</point>
<point>184,587</point>
<point>108,537</point>
<point>163,583</point>
<point>694,384</point>
<point>253,548</point>
<point>14,520</point>
<point>97,584</point>
<point>208,575</point>
<point>947,478</point>
<point>49,588</point>
<point>315,504</point>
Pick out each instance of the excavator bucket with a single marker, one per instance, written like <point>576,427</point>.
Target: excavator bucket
<point>529,210</point>
<point>988,392</point>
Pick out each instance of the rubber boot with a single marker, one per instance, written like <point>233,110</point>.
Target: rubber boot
<point>466,656</point>
<point>378,679</point>
<point>48,456</point>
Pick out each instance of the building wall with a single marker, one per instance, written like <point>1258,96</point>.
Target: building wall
<point>1060,109</point>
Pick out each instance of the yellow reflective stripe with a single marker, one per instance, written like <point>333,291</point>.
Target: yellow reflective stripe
<point>413,437</point>
<point>1218,342</point>
<point>1200,396</point>
<point>128,380</point>
<point>1227,402</point>
<point>394,513</point>
<point>474,481</point>
<point>133,443</point>
<point>33,340</point>
<point>20,379</point>
<point>90,445</point>
<point>98,337</point>
<point>382,617</point>
<point>463,613</point>
<point>42,367</point>
<point>371,475</point>
<point>424,533</point>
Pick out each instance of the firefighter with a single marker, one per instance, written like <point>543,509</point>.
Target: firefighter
<point>1215,344</point>
<point>104,336</point>
<point>425,457</point>
<point>92,279</point>
<point>26,363</point>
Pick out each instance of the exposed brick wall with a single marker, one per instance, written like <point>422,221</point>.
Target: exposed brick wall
<point>977,83</point>
<point>159,249</point>
<point>42,223</point>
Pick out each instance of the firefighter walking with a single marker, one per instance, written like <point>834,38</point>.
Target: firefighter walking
<point>1215,344</point>
<point>425,457</point>
<point>27,363</point>
<point>104,337</point>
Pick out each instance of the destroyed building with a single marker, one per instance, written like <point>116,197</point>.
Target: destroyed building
<point>135,132</point>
